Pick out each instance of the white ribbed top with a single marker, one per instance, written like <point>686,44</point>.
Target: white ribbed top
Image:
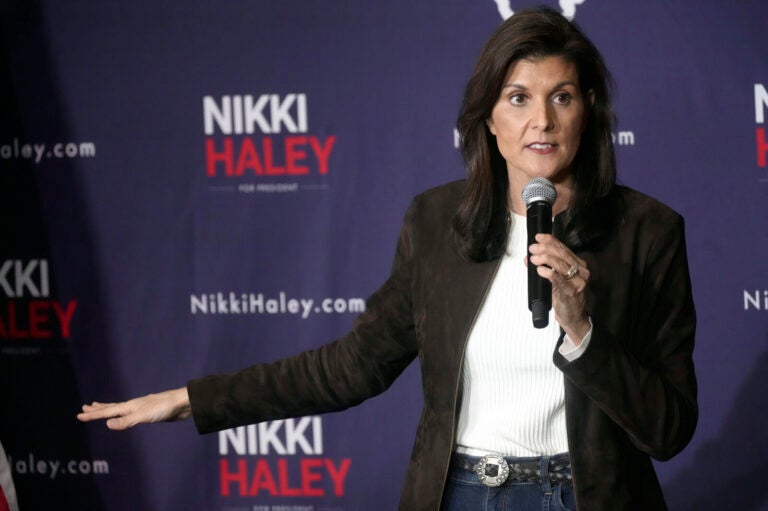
<point>513,395</point>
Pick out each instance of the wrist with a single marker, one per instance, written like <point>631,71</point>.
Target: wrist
<point>577,331</point>
<point>181,403</point>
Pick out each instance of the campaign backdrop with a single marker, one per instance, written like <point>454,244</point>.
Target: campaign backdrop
<point>191,187</point>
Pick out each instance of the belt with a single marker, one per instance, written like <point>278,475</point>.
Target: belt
<point>495,470</point>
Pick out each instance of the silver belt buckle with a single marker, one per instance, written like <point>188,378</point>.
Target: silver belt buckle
<point>492,469</point>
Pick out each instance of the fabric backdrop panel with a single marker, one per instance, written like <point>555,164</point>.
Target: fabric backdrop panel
<point>193,187</point>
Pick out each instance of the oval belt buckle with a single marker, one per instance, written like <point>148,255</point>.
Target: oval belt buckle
<point>492,469</point>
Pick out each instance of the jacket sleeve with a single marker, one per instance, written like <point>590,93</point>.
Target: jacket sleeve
<point>336,376</point>
<point>642,376</point>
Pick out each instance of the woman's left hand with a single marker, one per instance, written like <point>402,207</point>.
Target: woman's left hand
<point>569,276</point>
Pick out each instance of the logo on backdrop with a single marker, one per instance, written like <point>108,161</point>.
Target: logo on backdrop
<point>567,7</point>
<point>17,149</point>
<point>263,143</point>
<point>279,459</point>
<point>624,138</point>
<point>29,312</point>
<point>761,142</point>
<point>281,303</point>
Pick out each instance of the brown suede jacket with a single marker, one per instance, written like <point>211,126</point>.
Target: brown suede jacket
<point>631,396</point>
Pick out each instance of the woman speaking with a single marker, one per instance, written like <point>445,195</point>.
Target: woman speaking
<point>565,416</point>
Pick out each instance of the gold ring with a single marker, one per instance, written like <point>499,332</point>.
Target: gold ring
<point>572,271</point>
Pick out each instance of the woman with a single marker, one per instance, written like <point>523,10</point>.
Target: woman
<point>569,414</point>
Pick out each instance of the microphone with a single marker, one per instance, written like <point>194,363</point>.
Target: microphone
<point>539,195</point>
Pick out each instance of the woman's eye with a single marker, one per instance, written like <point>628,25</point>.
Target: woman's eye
<point>563,98</point>
<point>518,99</point>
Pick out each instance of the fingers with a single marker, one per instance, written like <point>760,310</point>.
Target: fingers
<point>100,411</point>
<point>555,262</point>
<point>119,416</point>
<point>170,405</point>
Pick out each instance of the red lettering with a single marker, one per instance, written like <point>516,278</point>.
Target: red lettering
<point>212,157</point>
<point>311,477</point>
<point>13,330</point>
<point>264,158</point>
<point>322,152</point>
<point>339,475</point>
<point>308,477</point>
<point>262,479</point>
<point>226,477</point>
<point>269,160</point>
<point>282,476</point>
<point>36,319</point>
<point>248,159</point>
<point>762,147</point>
<point>36,316</point>
<point>65,316</point>
<point>292,154</point>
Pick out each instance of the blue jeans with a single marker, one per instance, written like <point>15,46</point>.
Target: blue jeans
<point>465,492</point>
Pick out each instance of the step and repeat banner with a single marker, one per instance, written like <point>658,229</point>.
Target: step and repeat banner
<point>191,187</point>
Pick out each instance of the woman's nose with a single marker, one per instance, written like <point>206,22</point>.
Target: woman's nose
<point>542,116</point>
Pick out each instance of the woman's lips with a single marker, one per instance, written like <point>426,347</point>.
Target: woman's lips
<point>542,147</point>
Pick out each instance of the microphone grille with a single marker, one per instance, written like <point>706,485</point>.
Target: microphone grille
<point>539,189</point>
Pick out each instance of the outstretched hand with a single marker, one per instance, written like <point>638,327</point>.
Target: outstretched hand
<point>171,405</point>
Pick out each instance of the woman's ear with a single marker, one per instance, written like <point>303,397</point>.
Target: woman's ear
<point>491,127</point>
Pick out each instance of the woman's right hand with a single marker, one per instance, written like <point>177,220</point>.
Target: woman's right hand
<point>171,405</point>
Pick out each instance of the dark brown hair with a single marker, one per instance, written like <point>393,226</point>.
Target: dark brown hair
<point>480,224</point>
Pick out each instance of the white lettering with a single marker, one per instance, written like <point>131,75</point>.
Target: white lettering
<point>4,279</point>
<point>212,113</point>
<point>87,149</point>
<point>39,149</point>
<point>234,437</point>
<point>25,277</point>
<point>317,434</point>
<point>256,303</point>
<point>356,305</point>
<point>306,305</point>
<point>761,103</point>
<point>268,436</point>
<point>239,114</point>
<point>286,437</point>
<point>198,304</point>
<point>254,113</point>
<point>294,435</point>
<point>252,445</point>
<point>281,115</point>
<point>754,300</point>
<point>245,303</point>
<point>54,468</point>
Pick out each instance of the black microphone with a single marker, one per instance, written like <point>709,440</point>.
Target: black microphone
<point>539,195</point>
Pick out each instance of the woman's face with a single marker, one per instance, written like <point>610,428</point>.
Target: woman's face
<point>538,120</point>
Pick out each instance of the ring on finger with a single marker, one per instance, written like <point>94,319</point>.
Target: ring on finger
<point>572,272</point>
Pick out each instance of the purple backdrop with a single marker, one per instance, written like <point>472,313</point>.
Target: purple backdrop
<point>189,187</point>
